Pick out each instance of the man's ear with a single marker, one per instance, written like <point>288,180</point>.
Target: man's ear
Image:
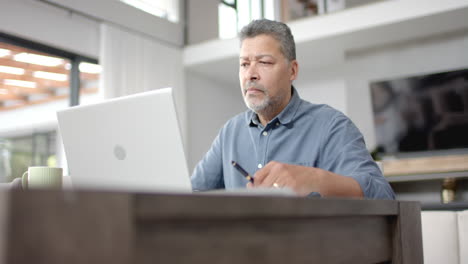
<point>294,68</point>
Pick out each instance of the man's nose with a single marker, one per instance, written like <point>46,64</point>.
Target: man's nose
<point>252,73</point>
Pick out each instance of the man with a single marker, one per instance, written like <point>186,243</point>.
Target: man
<point>288,142</point>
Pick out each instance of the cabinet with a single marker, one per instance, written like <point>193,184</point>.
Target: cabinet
<point>431,180</point>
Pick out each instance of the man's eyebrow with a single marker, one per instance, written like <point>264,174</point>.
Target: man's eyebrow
<point>257,57</point>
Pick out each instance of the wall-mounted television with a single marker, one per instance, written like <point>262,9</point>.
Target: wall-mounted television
<point>421,113</point>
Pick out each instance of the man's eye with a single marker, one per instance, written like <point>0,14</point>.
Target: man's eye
<point>265,62</point>
<point>243,64</point>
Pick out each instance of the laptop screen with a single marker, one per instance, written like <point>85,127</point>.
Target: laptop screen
<point>130,143</point>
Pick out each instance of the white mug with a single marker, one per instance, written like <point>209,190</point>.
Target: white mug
<point>42,177</point>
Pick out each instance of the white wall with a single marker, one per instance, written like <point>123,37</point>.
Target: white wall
<point>323,86</point>
<point>319,92</point>
<point>202,20</point>
<point>133,63</point>
<point>49,25</point>
<point>211,103</point>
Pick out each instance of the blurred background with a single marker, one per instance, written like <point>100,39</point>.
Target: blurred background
<point>373,60</point>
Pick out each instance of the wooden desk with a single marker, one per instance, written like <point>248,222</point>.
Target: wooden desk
<point>97,227</point>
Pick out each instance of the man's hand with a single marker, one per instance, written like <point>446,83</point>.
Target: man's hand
<point>304,180</point>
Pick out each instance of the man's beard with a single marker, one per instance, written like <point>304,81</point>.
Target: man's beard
<point>268,104</point>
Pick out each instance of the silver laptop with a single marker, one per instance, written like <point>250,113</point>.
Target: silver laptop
<point>130,143</point>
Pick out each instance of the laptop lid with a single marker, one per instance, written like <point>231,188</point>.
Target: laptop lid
<point>130,143</point>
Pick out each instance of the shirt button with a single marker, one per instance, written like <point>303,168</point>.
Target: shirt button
<point>277,123</point>
<point>259,166</point>
<point>265,133</point>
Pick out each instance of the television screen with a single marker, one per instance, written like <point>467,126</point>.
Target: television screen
<point>421,113</point>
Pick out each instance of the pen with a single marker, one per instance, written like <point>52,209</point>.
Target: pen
<point>242,171</point>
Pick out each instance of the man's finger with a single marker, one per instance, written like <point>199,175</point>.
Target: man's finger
<point>260,175</point>
<point>263,174</point>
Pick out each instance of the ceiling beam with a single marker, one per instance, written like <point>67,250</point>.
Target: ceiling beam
<point>33,67</point>
<point>29,68</point>
<point>40,83</point>
<point>22,91</point>
<point>11,97</point>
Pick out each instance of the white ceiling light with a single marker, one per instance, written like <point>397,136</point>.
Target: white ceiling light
<point>4,52</point>
<point>90,68</point>
<point>50,76</point>
<point>3,91</point>
<point>38,59</point>
<point>19,83</point>
<point>11,70</point>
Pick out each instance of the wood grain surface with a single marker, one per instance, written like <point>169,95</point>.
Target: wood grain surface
<point>437,164</point>
<point>45,226</point>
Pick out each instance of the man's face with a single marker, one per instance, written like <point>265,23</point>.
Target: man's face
<point>265,74</point>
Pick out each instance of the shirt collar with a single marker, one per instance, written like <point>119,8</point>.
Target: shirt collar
<point>285,117</point>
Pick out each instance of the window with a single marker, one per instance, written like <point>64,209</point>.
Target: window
<point>35,82</point>
<point>17,153</point>
<point>29,77</point>
<point>227,20</point>
<point>234,15</point>
<point>89,82</point>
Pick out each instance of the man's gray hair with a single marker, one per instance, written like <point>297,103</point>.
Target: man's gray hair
<point>277,30</point>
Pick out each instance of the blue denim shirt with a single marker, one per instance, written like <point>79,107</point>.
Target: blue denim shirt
<point>306,134</point>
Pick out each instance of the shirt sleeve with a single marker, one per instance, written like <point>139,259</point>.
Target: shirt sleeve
<point>344,152</point>
<point>208,174</point>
